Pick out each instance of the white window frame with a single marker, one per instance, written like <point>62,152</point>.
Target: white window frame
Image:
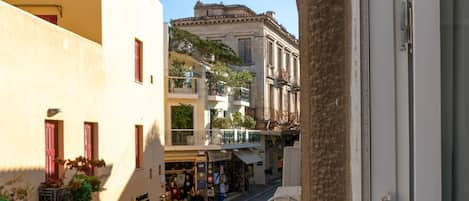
<point>400,169</point>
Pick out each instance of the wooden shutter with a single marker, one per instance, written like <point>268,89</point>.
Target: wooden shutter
<point>138,159</point>
<point>88,141</point>
<point>50,18</point>
<point>51,150</point>
<point>89,144</point>
<point>138,60</point>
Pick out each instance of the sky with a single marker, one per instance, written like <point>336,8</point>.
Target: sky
<point>286,11</point>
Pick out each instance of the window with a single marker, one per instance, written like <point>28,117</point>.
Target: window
<point>138,60</point>
<point>50,18</point>
<point>279,59</point>
<point>53,148</point>
<point>138,146</point>
<point>280,101</point>
<point>287,62</point>
<point>182,124</point>
<point>244,50</point>
<point>91,142</point>
<point>270,52</point>
<point>295,68</point>
<point>271,100</point>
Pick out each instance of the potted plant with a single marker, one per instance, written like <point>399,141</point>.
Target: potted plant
<point>81,184</point>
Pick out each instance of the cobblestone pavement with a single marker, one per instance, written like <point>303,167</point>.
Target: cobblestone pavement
<point>258,192</point>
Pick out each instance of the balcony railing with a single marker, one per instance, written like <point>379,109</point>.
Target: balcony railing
<point>283,75</point>
<point>214,137</point>
<point>217,89</point>
<point>241,94</point>
<point>183,85</point>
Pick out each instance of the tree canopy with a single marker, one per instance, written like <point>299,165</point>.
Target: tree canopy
<point>182,41</point>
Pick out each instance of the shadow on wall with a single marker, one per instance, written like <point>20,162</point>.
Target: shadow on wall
<point>145,182</point>
<point>27,180</point>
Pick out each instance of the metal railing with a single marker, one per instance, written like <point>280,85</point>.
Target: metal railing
<point>217,89</point>
<point>241,94</point>
<point>214,136</point>
<point>183,85</point>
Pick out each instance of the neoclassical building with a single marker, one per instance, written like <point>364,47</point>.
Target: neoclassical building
<point>271,53</point>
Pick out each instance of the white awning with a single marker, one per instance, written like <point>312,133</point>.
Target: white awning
<point>248,157</point>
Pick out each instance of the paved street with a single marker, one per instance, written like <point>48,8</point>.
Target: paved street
<point>258,192</point>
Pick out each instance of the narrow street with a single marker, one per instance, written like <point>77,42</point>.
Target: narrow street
<point>258,192</point>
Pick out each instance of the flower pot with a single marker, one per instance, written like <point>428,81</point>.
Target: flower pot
<point>54,194</point>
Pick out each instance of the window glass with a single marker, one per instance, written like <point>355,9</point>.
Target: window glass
<point>455,98</point>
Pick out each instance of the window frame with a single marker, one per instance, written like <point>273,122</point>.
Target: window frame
<point>138,60</point>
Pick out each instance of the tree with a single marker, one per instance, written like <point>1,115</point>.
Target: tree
<point>185,42</point>
<point>181,116</point>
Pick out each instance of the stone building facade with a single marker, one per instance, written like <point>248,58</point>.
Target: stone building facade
<point>271,54</point>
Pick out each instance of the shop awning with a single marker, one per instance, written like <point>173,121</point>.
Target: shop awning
<point>214,156</point>
<point>183,156</point>
<point>248,157</point>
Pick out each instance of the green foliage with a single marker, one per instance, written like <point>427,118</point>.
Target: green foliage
<point>179,69</point>
<point>221,72</point>
<point>182,116</point>
<point>239,79</point>
<point>237,119</point>
<point>185,42</point>
<point>221,123</point>
<point>80,188</point>
<point>249,122</point>
<point>3,198</point>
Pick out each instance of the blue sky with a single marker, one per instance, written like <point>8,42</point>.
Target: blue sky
<point>285,9</point>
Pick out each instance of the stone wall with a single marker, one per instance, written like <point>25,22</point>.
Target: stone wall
<point>325,97</point>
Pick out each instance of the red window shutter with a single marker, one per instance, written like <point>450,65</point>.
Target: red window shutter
<point>51,151</point>
<point>88,141</point>
<point>137,147</point>
<point>138,60</point>
<point>50,18</point>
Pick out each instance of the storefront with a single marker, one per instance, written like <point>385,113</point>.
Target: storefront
<point>185,174</point>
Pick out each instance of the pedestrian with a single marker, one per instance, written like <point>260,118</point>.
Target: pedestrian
<point>222,191</point>
<point>280,166</point>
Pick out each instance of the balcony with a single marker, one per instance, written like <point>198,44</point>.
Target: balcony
<point>282,78</point>
<point>241,96</point>
<point>183,87</point>
<point>217,92</point>
<point>293,118</point>
<point>215,137</point>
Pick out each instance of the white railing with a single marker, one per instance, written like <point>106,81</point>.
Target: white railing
<point>214,136</point>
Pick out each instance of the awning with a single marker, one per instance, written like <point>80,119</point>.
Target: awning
<point>248,157</point>
<point>183,156</point>
<point>214,156</point>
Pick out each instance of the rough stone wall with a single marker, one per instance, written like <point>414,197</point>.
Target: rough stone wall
<point>324,98</point>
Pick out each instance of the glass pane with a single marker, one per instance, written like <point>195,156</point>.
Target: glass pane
<point>455,98</point>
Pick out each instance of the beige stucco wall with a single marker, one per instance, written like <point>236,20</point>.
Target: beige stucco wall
<point>198,103</point>
<point>82,17</point>
<point>44,66</point>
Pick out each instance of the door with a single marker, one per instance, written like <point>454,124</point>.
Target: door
<point>51,168</point>
<point>405,100</point>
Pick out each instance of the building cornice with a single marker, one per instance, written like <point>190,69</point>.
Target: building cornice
<point>229,19</point>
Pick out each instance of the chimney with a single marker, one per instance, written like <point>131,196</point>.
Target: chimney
<point>270,14</point>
